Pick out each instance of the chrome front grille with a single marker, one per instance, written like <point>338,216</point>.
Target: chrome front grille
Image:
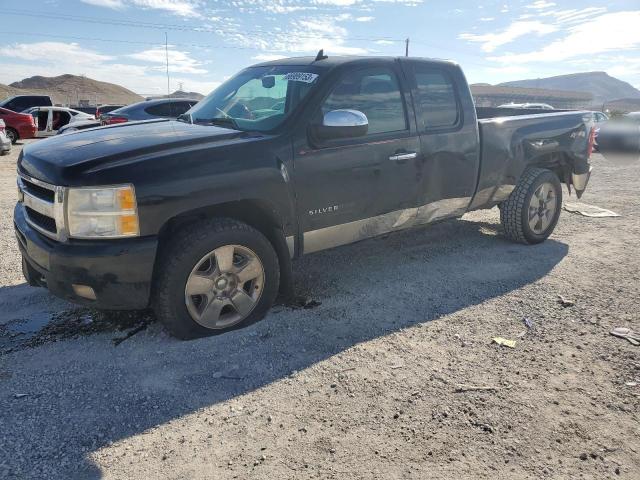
<point>44,206</point>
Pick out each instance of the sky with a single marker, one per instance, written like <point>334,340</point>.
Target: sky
<point>123,41</point>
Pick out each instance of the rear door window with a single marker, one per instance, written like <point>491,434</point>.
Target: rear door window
<point>436,99</point>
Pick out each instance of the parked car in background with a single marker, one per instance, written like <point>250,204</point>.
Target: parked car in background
<point>633,117</point>
<point>51,119</point>
<point>20,103</point>
<point>89,110</point>
<point>598,118</point>
<point>148,110</point>
<point>531,106</point>
<point>5,142</point>
<point>81,125</point>
<point>18,125</point>
<point>102,109</point>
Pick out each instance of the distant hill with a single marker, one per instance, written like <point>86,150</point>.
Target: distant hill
<point>178,94</point>
<point>181,94</point>
<point>69,89</point>
<point>623,105</point>
<point>601,85</point>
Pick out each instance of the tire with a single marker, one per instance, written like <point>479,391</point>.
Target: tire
<point>12,135</point>
<point>531,212</point>
<point>192,262</point>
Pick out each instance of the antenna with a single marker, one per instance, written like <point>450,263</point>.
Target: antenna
<point>320,55</point>
<point>406,47</point>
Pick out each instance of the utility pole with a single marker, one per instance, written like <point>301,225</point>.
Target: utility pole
<point>166,52</point>
<point>406,47</point>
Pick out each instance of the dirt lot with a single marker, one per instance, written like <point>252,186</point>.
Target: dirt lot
<point>375,382</point>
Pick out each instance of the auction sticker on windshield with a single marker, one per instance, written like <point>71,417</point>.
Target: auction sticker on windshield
<point>301,77</point>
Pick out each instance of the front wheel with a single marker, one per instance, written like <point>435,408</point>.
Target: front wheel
<point>215,276</point>
<point>531,212</point>
<point>12,135</point>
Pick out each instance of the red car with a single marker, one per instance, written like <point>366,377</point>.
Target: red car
<point>18,125</point>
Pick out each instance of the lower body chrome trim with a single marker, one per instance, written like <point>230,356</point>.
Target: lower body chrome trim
<point>329,237</point>
<point>291,245</point>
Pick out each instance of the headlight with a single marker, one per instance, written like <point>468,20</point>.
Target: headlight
<point>107,212</point>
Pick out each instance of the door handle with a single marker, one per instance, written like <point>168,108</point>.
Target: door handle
<point>403,156</point>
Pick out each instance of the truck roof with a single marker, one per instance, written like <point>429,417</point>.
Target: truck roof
<point>332,61</point>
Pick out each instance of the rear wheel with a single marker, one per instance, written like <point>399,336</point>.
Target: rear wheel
<point>531,212</point>
<point>215,276</point>
<point>12,135</point>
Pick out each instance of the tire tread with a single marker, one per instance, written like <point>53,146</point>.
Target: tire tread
<point>511,210</point>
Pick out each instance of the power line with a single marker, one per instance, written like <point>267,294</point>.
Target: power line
<point>160,26</point>
<point>160,44</point>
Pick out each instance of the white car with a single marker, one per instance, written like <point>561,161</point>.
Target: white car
<point>50,119</point>
<point>532,106</point>
<point>5,142</point>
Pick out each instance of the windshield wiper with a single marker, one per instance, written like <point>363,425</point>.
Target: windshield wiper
<point>222,121</point>
<point>185,117</point>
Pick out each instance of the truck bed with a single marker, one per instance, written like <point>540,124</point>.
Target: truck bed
<point>512,139</point>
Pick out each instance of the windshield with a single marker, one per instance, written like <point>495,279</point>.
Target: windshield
<point>256,99</point>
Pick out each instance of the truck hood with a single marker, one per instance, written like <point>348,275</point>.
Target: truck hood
<point>91,150</point>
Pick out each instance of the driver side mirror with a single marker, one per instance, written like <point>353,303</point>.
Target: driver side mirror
<point>340,124</point>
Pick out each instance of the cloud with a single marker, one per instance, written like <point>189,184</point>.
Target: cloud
<point>385,42</point>
<point>541,5</point>
<point>52,52</point>
<point>184,8</point>
<point>606,33</point>
<point>491,41</point>
<point>336,3</point>
<point>365,19</point>
<point>305,35</point>
<point>179,62</point>
<point>113,4</point>
<point>56,58</point>
<point>267,57</point>
<point>572,15</point>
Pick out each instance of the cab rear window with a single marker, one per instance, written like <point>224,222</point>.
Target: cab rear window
<point>438,106</point>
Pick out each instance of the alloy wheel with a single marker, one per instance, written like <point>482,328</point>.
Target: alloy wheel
<point>542,208</point>
<point>224,286</point>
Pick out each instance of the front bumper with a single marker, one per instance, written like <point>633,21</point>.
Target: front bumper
<point>119,271</point>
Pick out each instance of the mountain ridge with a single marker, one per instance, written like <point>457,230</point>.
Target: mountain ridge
<point>601,85</point>
<point>70,89</point>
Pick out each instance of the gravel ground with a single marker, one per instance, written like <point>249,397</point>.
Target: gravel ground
<point>377,382</point>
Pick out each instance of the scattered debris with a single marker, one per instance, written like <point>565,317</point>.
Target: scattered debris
<point>528,323</point>
<point>631,384</point>
<point>564,302</point>
<point>118,340</point>
<point>303,302</point>
<point>505,342</point>
<point>20,395</point>
<point>588,210</point>
<point>629,334</point>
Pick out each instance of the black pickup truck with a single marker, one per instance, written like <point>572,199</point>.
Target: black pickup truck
<point>201,217</point>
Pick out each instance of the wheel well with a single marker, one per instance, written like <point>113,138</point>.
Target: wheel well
<point>255,213</point>
<point>557,162</point>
